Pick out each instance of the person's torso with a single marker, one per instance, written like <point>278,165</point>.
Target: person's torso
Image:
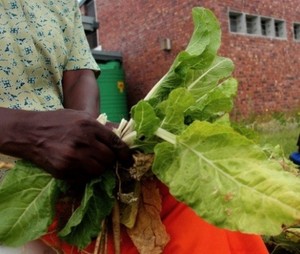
<point>35,39</point>
<point>34,48</point>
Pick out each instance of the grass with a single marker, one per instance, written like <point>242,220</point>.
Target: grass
<point>274,130</point>
<point>276,133</point>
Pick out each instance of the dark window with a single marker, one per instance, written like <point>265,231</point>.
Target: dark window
<point>90,19</point>
<point>266,26</point>
<point>296,28</point>
<point>236,22</point>
<point>251,24</point>
<point>279,27</point>
<point>92,39</point>
<point>90,9</point>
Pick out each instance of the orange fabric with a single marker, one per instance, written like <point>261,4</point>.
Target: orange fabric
<point>189,235</point>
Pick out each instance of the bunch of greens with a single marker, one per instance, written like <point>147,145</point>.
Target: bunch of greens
<point>226,178</point>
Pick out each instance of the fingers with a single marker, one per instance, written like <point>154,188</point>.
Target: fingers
<point>90,161</point>
<point>91,157</point>
<point>102,158</point>
<point>120,149</point>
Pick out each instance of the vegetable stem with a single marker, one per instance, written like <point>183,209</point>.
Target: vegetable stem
<point>155,87</point>
<point>100,243</point>
<point>116,227</point>
<point>129,138</point>
<point>166,135</point>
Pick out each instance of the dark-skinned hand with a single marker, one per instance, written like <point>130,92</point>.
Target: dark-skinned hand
<point>69,144</point>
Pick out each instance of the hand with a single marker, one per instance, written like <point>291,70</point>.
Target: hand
<point>69,144</point>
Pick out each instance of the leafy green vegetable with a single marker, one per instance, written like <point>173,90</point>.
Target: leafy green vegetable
<point>172,110</point>
<point>228,180</point>
<point>27,198</point>
<point>96,204</point>
<point>214,103</point>
<point>144,113</point>
<point>197,67</point>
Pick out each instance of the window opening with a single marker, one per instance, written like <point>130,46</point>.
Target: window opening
<point>90,18</point>
<point>266,26</point>
<point>90,9</point>
<point>279,28</point>
<point>251,24</point>
<point>296,29</point>
<point>236,21</point>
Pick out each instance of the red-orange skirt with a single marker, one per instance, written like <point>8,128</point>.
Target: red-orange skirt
<point>189,235</point>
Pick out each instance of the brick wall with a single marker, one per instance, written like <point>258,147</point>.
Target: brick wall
<point>268,69</point>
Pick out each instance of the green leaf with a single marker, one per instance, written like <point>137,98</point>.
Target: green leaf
<point>146,121</point>
<point>215,103</point>
<point>201,81</point>
<point>96,204</point>
<point>195,60</point>
<point>173,110</point>
<point>27,197</point>
<point>228,180</point>
<point>207,29</point>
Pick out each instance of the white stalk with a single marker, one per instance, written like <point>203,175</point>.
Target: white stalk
<point>165,135</point>
<point>129,138</point>
<point>128,128</point>
<point>154,88</point>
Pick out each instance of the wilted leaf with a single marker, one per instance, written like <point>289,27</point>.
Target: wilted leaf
<point>149,234</point>
<point>129,211</point>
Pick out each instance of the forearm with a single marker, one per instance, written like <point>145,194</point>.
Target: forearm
<point>81,91</point>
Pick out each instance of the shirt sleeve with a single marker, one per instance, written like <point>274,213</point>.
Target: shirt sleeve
<point>80,56</point>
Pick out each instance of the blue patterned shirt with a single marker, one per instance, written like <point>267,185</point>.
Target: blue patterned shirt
<point>39,40</point>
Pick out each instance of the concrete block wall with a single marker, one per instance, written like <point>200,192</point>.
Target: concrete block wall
<point>268,69</point>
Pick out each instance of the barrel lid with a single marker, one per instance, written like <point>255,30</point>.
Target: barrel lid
<point>110,65</point>
<point>100,55</point>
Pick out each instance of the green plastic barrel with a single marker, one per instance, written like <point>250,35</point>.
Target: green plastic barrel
<point>113,100</point>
